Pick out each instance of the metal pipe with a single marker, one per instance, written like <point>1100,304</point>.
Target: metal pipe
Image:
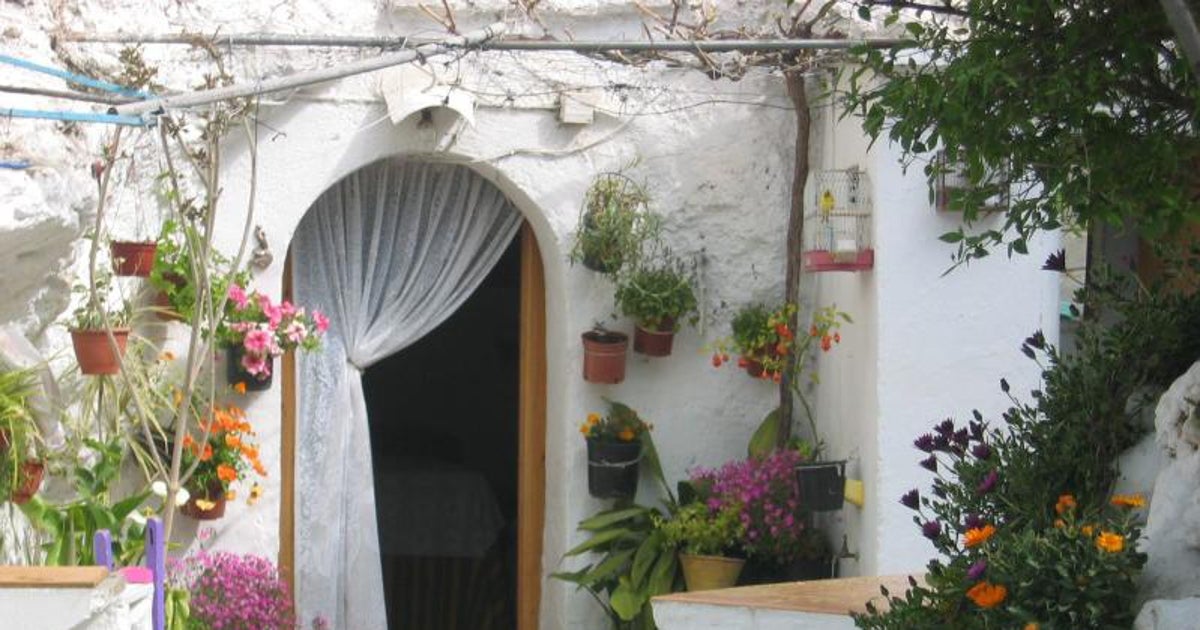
<point>354,41</point>
<point>308,77</point>
<point>75,96</point>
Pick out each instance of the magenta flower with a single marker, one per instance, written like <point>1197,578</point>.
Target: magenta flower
<point>977,570</point>
<point>238,295</point>
<point>296,332</point>
<point>257,341</point>
<point>321,321</point>
<point>256,364</point>
<point>931,529</point>
<point>988,482</point>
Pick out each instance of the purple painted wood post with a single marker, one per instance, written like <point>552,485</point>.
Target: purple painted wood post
<point>102,549</point>
<point>156,559</point>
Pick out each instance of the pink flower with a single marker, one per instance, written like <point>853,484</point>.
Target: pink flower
<point>238,295</point>
<point>296,332</point>
<point>273,312</point>
<point>320,320</point>
<point>287,309</point>
<point>256,364</point>
<point>257,341</point>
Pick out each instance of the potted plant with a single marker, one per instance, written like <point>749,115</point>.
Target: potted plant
<point>256,330</point>
<point>604,355</point>
<point>132,258</point>
<point>706,540</point>
<point>174,270</point>
<point>222,454</point>
<point>226,590</point>
<point>99,334</point>
<point>613,224</point>
<point>21,471</point>
<point>658,296</point>
<point>614,450</point>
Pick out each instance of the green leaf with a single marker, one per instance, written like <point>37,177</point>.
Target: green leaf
<point>608,568</point>
<point>766,436</point>
<point>662,577</point>
<point>647,554</point>
<point>598,540</point>
<point>951,237</point>
<point>125,507</point>
<point>626,601</point>
<point>610,517</point>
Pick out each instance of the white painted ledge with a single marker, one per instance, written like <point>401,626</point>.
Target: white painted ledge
<point>72,598</point>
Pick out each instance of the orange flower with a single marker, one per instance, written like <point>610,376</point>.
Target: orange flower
<point>1087,530</point>
<point>207,454</point>
<point>826,343</point>
<point>167,355</point>
<point>1032,625</point>
<point>1110,542</point>
<point>225,472</point>
<point>626,435</point>
<point>987,595</point>
<point>259,468</point>
<point>978,535</point>
<point>1065,503</point>
<point>1129,500</point>
<point>240,387</point>
<point>249,452</point>
<point>1059,523</point>
<point>813,332</point>
<point>232,441</point>
<point>188,442</point>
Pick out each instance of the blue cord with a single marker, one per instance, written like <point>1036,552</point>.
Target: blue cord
<point>75,78</point>
<point>114,119</point>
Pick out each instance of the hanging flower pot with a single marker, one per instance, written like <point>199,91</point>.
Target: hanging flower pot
<point>236,371</point>
<point>613,468</point>
<point>207,504</point>
<point>822,485</point>
<point>604,356</point>
<point>653,343</point>
<point>93,352</point>
<point>163,309</point>
<point>705,573</point>
<point>29,481</point>
<point>133,258</point>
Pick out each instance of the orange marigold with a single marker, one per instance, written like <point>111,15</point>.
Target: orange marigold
<point>1129,500</point>
<point>1065,503</point>
<point>1087,530</point>
<point>1032,625</point>
<point>1110,542</point>
<point>225,472</point>
<point>207,454</point>
<point>232,441</point>
<point>978,535</point>
<point>240,387</point>
<point>987,595</point>
<point>626,435</point>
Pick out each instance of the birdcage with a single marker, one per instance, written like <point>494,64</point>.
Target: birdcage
<point>837,222</point>
<point>953,185</point>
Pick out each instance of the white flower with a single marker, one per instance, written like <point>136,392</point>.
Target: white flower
<point>182,497</point>
<point>138,517</point>
<point>159,488</point>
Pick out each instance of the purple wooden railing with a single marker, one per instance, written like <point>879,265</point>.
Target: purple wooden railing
<point>156,557</point>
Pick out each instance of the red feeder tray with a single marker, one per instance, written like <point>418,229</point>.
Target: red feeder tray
<point>825,260</point>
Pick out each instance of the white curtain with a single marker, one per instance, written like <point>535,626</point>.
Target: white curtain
<point>388,253</point>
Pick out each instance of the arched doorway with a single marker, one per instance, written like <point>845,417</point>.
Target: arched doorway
<point>531,412</point>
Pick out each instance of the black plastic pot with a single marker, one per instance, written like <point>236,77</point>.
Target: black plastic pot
<point>613,469</point>
<point>758,571</point>
<point>822,485</point>
<point>235,373</point>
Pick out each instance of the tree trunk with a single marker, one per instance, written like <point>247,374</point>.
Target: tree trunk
<point>795,228</point>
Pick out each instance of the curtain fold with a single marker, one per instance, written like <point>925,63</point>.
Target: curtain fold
<point>389,253</point>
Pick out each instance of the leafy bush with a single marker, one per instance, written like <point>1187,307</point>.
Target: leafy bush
<point>657,296</point>
<point>699,530</point>
<point>614,224</point>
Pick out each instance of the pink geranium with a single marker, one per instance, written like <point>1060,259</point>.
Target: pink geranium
<point>257,341</point>
<point>238,295</point>
<point>321,321</point>
<point>256,364</point>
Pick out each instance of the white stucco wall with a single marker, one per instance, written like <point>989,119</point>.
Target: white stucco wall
<point>716,157</point>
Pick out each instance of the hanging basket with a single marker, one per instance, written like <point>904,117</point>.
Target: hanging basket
<point>133,258</point>
<point>235,373</point>
<point>93,352</point>
<point>837,223</point>
<point>29,481</point>
<point>214,494</point>
<point>613,468</point>
<point>604,356</point>
<point>822,485</point>
<point>654,343</point>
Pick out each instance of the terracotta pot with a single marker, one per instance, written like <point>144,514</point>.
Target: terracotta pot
<point>133,258</point>
<point>214,493</point>
<point>29,481</point>
<point>604,356</point>
<point>656,342</point>
<point>93,352</point>
<point>705,573</point>
<point>613,469</point>
<point>235,373</point>
<point>162,303</point>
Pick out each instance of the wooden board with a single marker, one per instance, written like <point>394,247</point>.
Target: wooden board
<point>287,454</point>
<point>531,447</point>
<point>51,577</point>
<point>835,597</point>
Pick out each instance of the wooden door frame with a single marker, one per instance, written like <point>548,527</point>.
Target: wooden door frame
<point>531,438</point>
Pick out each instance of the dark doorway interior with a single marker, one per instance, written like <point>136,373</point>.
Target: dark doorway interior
<point>443,415</point>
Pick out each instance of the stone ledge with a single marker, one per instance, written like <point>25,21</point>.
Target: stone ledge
<point>832,597</point>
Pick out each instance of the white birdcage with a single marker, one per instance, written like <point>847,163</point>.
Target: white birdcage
<point>837,222</point>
